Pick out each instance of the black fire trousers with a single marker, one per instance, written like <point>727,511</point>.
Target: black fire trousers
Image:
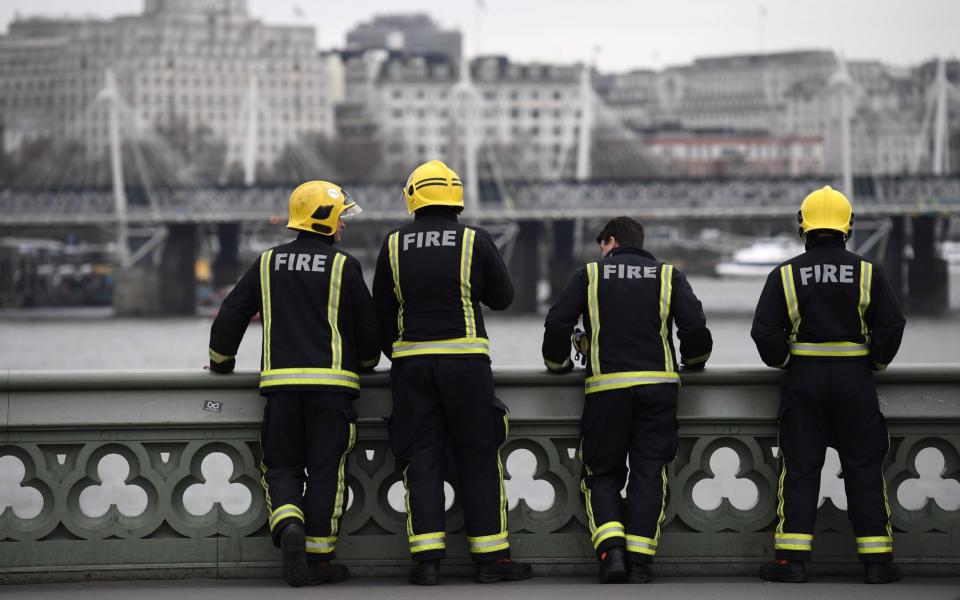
<point>826,402</point>
<point>640,423</point>
<point>439,400</point>
<point>306,439</point>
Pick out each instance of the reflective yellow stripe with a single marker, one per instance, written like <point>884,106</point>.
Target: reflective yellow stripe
<point>341,481</point>
<point>666,292</point>
<point>502,489</point>
<point>265,311</point>
<point>285,512</point>
<point>641,545</point>
<point>217,357</point>
<point>829,349</point>
<point>466,264</point>
<point>663,505</point>
<point>879,544</point>
<point>427,541</point>
<point>593,307</point>
<point>333,312</point>
<point>615,381</point>
<point>406,504</point>
<point>607,530</point>
<point>263,481</point>
<point>488,543</point>
<point>793,541</point>
<point>554,366</point>
<point>866,282</point>
<point>783,474</point>
<point>474,345</point>
<point>309,376</point>
<point>591,523</point>
<point>321,545</point>
<point>393,245</point>
<point>790,294</point>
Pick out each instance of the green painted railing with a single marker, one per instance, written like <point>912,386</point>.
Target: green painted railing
<point>110,474</point>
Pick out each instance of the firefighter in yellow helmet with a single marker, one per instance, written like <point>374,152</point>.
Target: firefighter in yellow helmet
<point>319,331</point>
<point>829,318</point>
<point>432,274</point>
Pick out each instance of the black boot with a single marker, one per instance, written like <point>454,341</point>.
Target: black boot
<point>881,572</point>
<point>503,570</point>
<point>426,572</point>
<point>327,572</point>
<point>784,571</point>
<point>293,546</point>
<point>613,566</point>
<point>639,572</point>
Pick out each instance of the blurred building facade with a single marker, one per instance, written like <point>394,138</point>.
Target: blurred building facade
<point>180,64</point>
<point>406,33</point>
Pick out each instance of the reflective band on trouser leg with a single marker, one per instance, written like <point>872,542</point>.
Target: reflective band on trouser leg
<point>610,529</point>
<point>838,349</point>
<point>880,544</point>
<point>666,293</point>
<point>286,511</point>
<point>790,296</point>
<point>321,545</point>
<point>793,541</point>
<point>641,545</point>
<point>427,541</point>
<point>488,543</point>
<point>475,345</point>
<point>341,480</point>
<point>265,304</point>
<point>593,312</point>
<point>393,246</point>
<point>309,376</point>
<point>614,381</point>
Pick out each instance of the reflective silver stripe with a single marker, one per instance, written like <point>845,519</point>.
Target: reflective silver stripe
<point>487,544</point>
<point>419,346</point>
<point>611,528</point>
<point>606,380</point>
<point>320,546</point>
<point>874,544</point>
<point>311,376</point>
<point>631,544</point>
<point>794,541</point>
<point>427,542</point>
<point>828,347</point>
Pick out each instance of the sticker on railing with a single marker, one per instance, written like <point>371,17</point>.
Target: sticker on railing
<point>130,499</point>
<point>25,502</point>
<point>211,406</point>
<point>216,469</point>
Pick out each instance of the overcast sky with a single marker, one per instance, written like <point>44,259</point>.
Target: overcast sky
<point>624,33</point>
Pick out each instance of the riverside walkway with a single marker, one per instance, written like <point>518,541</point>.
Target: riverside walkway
<point>549,588</point>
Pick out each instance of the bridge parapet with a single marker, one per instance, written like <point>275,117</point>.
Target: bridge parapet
<point>154,473</point>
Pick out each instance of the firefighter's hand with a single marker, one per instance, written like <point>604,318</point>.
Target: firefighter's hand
<point>694,368</point>
<point>222,368</point>
<point>559,368</point>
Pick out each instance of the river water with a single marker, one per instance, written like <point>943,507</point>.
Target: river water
<point>93,339</point>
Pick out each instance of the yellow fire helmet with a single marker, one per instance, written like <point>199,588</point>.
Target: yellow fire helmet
<point>433,184</point>
<point>317,206</point>
<point>825,208</point>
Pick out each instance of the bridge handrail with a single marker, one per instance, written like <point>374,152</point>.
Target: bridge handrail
<point>60,429</point>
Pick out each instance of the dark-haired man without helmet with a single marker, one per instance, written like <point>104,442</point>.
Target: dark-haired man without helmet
<point>432,274</point>
<point>319,330</point>
<point>629,303</point>
<point>829,318</point>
